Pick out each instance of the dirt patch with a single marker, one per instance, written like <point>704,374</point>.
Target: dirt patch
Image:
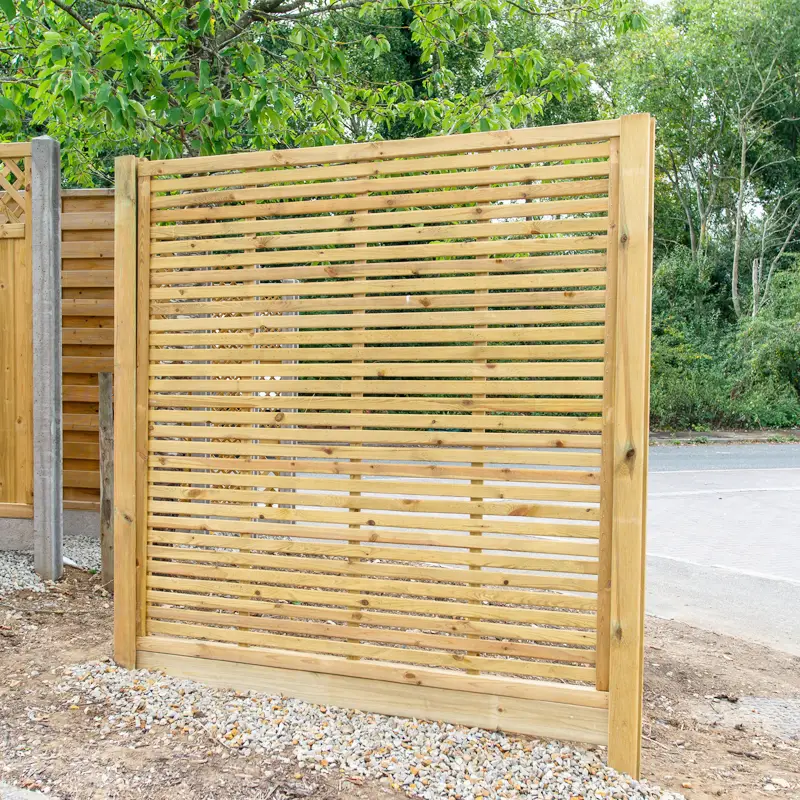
<point>700,738</point>
<point>718,715</point>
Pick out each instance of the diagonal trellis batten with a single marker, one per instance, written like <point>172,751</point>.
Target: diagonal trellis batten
<point>373,415</point>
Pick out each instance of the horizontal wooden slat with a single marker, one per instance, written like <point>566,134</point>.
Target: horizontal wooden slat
<point>390,520</point>
<point>87,308</point>
<point>80,394</point>
<point>381,635</point>
<point>502,422</point>
<point>583,638</point>
<point>492,158</point>
<point>483,248</point>
<point>87,364</point>
<point>88,249</point>
<point>85,480</point>
<point>80,422</point>
<point>405,505</point>
<point>414,200</point>
<point>365,569</point>
<point>454,213</point>
<point>388,319</point>
<point>412,454</point>
<point>87,277</point>
<point>502,666</point>
<point>587,386</point>
<point>370,151</point>
<point>547,369</point>
<point>87,221</point>
<point>383,302</point>
<point>507,562</point>
<point>82,450</point>
<point>422,233</point>
<point>397,470</point>
<point>370,404</point>
<point>536,280</point>
<point>16,511</point>
<point>406,269</point>
<point>376,602</point>
<point>256,573</point>
<point>253,337</point>
<point>398,535</point>
<point>341,484</point>
<point>88,336</point>
<point>12,230</point>
<point>14,150</point>
<point>554,352</point>
<point>383,437</point>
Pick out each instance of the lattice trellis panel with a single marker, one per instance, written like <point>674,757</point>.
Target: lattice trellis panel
<point>12,187</point>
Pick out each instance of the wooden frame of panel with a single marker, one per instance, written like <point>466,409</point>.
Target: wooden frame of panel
<point>16,338</point>
<point>367,571</point>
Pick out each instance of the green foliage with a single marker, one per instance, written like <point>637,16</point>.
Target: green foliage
<point>169,78</point>
<point>708,370</point>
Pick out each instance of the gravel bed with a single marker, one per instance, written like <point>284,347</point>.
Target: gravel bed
<point>425,759</point>
<point>16,567</point>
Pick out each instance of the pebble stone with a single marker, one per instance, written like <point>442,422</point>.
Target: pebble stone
<point>426,760</point>
<point>16,567</point>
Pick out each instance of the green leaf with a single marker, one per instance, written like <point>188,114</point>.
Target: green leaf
<point>8,8</point>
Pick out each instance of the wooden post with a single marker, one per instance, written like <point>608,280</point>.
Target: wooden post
<point>45,224</point>
<point>125,263</point>
<point>631,429</point>
<point>106,386</point>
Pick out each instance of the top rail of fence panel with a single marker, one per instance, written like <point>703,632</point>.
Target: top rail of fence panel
<point>15,149</point>
<point>400,148</point>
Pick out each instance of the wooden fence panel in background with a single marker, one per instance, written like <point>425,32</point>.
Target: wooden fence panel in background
<point>87,281</point>
<point>16,338</point>
<point>438,346</point>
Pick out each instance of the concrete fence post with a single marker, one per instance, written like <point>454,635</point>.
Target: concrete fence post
<point>48,514</point>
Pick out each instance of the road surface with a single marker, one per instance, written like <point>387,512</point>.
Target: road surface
<point>724,540</point>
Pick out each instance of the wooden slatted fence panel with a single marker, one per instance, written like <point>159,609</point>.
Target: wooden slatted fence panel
<point>16,339</point>
<point>87,281</point>
<point>442,418</point>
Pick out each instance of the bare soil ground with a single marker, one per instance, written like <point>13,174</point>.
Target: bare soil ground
<point>701,738</point>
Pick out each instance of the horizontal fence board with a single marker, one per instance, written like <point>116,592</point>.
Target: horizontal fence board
<point>406,148</point>
<point>492,158</point>
<point>502,666</point>
<point>406,269</point>
<point>580,620</point>
<point>501,630</point>
<point>426,471</point>
<point>471,213</point>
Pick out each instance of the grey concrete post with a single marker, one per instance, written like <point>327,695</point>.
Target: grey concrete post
<point>48,513</point>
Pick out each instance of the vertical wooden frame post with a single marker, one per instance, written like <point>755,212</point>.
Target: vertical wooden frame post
<point>630,439</point>
<point>142,377</point>
<point>125,456</point>
<point>44,221</point>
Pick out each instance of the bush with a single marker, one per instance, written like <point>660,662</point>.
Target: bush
<point>708,371</point>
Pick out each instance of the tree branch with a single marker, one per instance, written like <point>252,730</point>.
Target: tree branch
<point>74,14</point>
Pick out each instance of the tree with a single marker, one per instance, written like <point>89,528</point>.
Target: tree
<point>168,78</point>
<point>722,78</point>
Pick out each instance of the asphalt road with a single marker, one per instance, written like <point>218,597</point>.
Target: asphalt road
<point>724,540</point>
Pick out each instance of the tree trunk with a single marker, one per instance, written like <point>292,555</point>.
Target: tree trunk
<point>737,242</point>
<point>756,286</point>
